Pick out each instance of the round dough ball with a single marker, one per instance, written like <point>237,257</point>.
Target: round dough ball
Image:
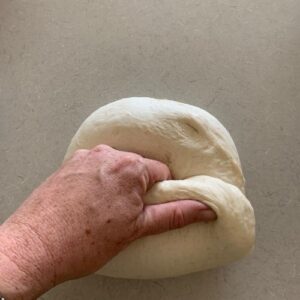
<point>205,165</point>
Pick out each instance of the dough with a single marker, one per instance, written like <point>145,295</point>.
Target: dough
<point>204,161</point>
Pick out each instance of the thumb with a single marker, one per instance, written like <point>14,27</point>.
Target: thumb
<point>159,218</point>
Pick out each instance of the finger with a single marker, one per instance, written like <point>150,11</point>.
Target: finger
<point>166,216</point>
<point>157,171</point>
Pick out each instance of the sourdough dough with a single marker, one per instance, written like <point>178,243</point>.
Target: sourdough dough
<point>204,161</point>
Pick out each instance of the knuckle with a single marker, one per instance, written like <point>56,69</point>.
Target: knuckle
<point>80,152</point>
<point>101,148</point>
<point>131,170</point>
<point>132,160</point>
<point>177,219</point>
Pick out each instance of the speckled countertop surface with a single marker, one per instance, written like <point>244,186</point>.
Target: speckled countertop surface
<point>60,60</point>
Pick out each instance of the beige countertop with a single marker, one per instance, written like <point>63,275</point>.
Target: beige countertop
<point>61,60</point>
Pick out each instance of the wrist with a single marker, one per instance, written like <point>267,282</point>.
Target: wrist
<point>24,264</point>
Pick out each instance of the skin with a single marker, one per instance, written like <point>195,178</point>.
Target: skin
<point>82,216</point>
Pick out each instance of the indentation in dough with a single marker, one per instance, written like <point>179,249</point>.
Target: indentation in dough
<point>191,127</point>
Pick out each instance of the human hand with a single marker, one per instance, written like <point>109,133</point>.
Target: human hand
<point>86,213</point>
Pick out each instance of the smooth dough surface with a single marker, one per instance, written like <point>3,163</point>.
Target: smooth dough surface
<point>205,164</point>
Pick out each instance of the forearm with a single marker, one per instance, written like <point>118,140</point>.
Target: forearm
<point>25,272</point>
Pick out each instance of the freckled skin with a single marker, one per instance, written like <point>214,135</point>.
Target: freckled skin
<point>82,216</point>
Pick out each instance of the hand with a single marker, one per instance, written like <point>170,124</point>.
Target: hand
<point>83,215</point>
